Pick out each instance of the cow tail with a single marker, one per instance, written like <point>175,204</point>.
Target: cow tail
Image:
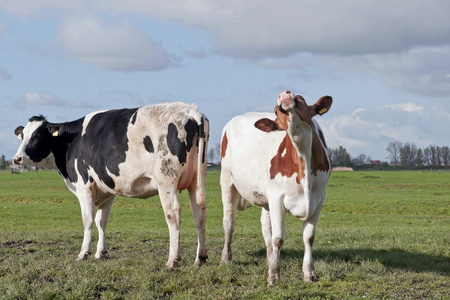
<point>203,134</point>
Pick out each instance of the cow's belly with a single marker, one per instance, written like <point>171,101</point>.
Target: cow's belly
<point>142,187</point>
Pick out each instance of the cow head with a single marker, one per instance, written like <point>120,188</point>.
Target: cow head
<point>37,140</point>
<point>288,102</point>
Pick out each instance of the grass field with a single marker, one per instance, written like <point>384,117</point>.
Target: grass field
<point>381,235</point>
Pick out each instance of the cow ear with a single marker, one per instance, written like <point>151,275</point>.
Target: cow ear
<point>55,130</point>
<point>19,132</point>
<point>267,125</point>
<point>321,106</point>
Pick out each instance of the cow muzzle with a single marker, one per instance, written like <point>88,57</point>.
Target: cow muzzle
<point>18,160</point>
<point>286,100</point>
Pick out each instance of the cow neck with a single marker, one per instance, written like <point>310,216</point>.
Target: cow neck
<point>301,135</point>
<point>61,146</point>
<point>304,139</point>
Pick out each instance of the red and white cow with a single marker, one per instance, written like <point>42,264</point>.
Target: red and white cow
<point>139,153</point>
<point>279,162</point>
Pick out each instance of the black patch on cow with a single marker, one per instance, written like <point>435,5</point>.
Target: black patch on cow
<point>148,144</point>
<point>191,128</point>
<point>133,119</point>
<point>69,133</point>
<point>176,147</point>
<point>204,152</point>
<point>38,118</point>
<point>201,129</point>
<point>103,146</point>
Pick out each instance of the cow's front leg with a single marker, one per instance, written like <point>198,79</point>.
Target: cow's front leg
<point>101,220</point>
<point>277,212</point>
<point>229,200</point>
<point>87,213</point>
<point>172,212</point>
<point>199,214</point>
<point>266,227</point>
<point>309,274</point>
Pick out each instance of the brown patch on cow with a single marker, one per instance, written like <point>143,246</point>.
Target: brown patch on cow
<point>319,159</point>
<point>93,189</point>
<point>224,145</point>
<point>287,162</point>
<point>322,138</point>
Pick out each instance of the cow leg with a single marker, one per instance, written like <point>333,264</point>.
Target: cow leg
<point>101,220</point>
<point>172,212</point>
<point>266,227</point>
<point>87,214</point>
<point>277,212</point>
<point>229,200</point>
<point>199,214</point>
<point>309,226</point>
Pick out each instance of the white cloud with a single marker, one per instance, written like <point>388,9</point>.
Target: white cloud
<point>118,47</point>
<point>422,71</point>
<point>408,107</point>
<point>35,98</point>
<point>256,29</point>
<point>406,44</point>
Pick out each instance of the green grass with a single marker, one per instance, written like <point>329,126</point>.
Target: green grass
<point>381,235</point>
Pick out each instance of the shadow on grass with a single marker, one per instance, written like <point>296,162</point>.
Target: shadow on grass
<point>391,258</point>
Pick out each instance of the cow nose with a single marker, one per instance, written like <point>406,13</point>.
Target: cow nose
<point>17,159</point>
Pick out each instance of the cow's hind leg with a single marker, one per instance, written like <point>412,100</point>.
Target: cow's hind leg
<point>101,220</point>
<point>87,214</point>
<point>199,214</point>
<point>229,200</point>
<point>172,212</point>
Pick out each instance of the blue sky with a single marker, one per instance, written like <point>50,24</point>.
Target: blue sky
<point>385,63</point>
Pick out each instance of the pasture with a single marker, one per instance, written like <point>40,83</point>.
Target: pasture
<point>380,235</point>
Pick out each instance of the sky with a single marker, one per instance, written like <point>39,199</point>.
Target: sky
<point>385,63</point>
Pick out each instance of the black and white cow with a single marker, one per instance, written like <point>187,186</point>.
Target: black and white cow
<point>141,152</point>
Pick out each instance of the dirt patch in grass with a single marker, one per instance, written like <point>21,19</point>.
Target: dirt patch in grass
<point>16,244</point>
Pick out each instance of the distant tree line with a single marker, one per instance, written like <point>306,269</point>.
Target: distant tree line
<point>399,154</point>
<point>340,157</point>
<point>409,155</point>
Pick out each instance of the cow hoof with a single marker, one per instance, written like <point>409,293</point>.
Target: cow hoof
<point>102,255</point>
<point>172,264</point>
<point>201,260</point>
<point>311,278</point>
<point>225,261</point>
<point>226,257</point>
<point>273,278</point>
<point>82,256</point>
